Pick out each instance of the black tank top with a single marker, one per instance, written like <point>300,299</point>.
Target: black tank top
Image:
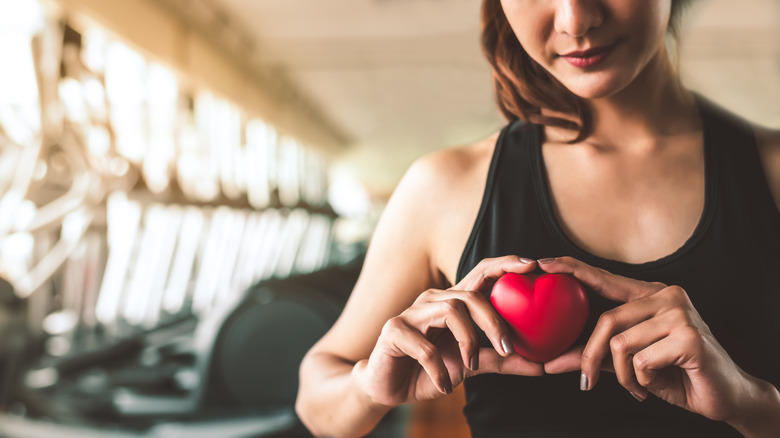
<point>730,268</point>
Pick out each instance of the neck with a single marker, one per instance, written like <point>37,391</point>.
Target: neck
<point>654,105</point>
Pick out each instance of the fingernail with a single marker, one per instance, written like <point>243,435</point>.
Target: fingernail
<point>474,363</point>
<point>526,261</point>
<point>583,382</point>
<point>448,388</point>
<point>547,260</point>
<point>637,396</point>
<point>506,344</point>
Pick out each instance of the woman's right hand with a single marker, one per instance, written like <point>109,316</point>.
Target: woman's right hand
<point>432,346</point>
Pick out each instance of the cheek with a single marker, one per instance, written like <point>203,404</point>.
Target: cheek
<point>530,26</point>
<point>648,25</point>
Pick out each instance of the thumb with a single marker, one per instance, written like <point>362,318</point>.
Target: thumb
<point>571,360</point>
<point>492,362</point>
<point>566,362</point>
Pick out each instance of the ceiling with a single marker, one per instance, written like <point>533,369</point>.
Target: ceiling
<point>399,78</point>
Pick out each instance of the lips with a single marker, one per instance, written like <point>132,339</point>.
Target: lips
<point>588,58</point>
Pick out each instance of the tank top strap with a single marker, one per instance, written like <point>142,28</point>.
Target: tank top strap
<point>509,202</point>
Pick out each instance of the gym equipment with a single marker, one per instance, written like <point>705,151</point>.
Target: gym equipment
<point>123,293</point>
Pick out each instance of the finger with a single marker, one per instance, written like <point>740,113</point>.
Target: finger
<point>567,362</point>
<point>609,324</point>
<point>410,342</point>
<point>604,283</point>
<point>492,362</point>
<point>449,313</point>
<point>571,360</point>
<point>488,271</point>
<point>484,316</point>
<point>626,344</point>
<point>674,350</point>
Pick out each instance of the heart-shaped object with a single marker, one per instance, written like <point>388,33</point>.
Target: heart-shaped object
<point>547,312</point>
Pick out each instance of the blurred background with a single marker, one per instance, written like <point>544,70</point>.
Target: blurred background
<point>187,188</point>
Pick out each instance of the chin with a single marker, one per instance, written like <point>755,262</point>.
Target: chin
<point>595,87</point>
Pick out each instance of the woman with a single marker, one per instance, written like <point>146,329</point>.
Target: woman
<point>664,205</point>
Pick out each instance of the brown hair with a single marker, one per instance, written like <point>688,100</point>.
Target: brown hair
<point>523,87</point>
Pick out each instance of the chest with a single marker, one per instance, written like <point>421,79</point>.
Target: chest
<point>622,207</point>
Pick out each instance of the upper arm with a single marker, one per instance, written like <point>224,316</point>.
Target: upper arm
<point>769,147</point>
<point>398,265</point>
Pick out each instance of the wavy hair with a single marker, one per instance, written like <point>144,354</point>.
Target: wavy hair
<point>523,87</point>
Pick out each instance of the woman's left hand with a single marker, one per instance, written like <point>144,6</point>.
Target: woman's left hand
<point>659,344</point>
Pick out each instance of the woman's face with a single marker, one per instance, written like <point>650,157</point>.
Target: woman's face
<point>595,48</point>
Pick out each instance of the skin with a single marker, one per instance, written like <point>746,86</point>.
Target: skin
<point>406,333</point>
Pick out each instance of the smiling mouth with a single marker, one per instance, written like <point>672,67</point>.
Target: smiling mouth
<point>590,57</point>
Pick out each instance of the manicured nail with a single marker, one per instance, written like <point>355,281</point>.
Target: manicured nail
<point>526,261</point>
<point>474,363</point>
<point>547,260</point>
<point>583,382</point>
<point>637,396</point>
<point>448,388</point>
<point>506,344</point>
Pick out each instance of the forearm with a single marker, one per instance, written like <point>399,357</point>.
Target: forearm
<point>763,419</point>
<point>330,401</point>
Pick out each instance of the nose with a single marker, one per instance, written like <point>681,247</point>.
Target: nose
<point>577,17</point>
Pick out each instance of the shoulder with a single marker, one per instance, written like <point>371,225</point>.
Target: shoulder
<point>436,203</point>
<point>449,169</point>
<point>442,182</point>
<point>768,141</point>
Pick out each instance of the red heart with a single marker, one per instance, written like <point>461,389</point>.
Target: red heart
<point>547,312</point>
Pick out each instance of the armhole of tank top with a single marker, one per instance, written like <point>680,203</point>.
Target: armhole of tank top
<point>489,183</point>
<point>761,179</point>
<point>758,178</point>
<point>723,119</point>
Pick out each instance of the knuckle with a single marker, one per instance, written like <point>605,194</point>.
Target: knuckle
<point>469,344</point>
<point>566,260</point>
<point>392,328</point>
<point>432,292</point>
<point>643,380</point>
<point>394,325</point>
<point>587,355</point>
<point>640,361</point>
<point>676,294</point>
<point>618,344</point>
<point>507,259</point>
<point>691,336</point>
<point>426,295</point>
<point>608,319</point>
<point>601,279</point>
<point>500,366</point>
<point>673,297</point>
<point>484,263</point>
<point>450,306</point>
<point>494,324</point>
<point>428,353</point>
<point>680,316</point>
<point>658,285</point>
<point>473,295</point>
